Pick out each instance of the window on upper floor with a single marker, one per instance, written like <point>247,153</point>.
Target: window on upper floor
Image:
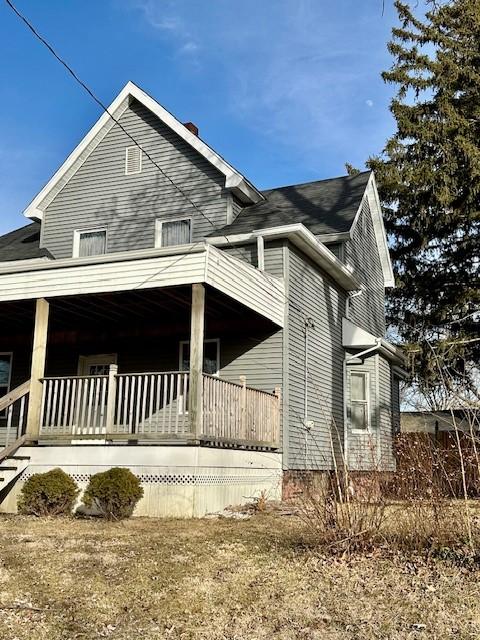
<point>133,160</point>
<point>172,232</point>
<point>359,401</point>
<point>89,242</point>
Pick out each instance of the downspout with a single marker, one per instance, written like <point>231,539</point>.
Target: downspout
<point>309,324</point>
<point>362,354</point>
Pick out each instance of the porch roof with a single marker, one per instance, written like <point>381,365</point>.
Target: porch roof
<point>146,269</point>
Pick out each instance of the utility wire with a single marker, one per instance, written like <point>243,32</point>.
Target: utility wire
<point>104,108</point>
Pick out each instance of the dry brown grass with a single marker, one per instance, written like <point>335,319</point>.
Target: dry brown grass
<point>218,579</point>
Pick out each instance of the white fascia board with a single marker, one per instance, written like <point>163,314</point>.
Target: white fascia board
<point>371,193</point>
<point>309,244</point>
<point>92,139</point>
<point>328,238</point>
<point>233,179</point>
<point>380,234</point>
<point>304,239</point>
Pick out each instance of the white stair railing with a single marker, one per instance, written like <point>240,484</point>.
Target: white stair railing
<point>13,409</point>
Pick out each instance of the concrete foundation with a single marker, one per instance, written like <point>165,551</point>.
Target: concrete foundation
<point>182,481</point>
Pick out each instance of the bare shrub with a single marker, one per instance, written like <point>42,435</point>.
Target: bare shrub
<point>346,512</point>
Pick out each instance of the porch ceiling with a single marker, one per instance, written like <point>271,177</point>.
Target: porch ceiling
<point>167,269</point>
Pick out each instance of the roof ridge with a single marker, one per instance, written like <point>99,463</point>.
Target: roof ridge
<point>304,184</point>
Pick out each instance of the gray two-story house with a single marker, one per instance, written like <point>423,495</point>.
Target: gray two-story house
<point>162,313</point>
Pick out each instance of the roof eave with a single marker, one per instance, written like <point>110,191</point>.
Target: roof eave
<point>309,244</point>
<point>233,179</point>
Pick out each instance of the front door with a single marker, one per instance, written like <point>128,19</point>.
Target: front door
<point>96,365</point>
<point>92,392</point>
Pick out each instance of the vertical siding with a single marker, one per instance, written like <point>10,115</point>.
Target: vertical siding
<point>367,310</point>
<point>313,295</point>
<point>100,194</point>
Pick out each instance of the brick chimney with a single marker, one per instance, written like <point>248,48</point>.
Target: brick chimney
<point>191,127</point>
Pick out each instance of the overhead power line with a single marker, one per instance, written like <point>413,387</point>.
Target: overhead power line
<point>104,108</point>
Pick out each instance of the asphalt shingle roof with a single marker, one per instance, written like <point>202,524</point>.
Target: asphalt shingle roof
<point>325,206</point>
<point>22,244</point>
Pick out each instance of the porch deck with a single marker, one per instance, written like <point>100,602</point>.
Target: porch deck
<point>151,407</point>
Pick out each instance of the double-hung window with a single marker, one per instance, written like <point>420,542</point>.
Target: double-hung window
<point>211,356</point>
<point>89,242</point>
<point>359,401</point>
<point>169,233</point>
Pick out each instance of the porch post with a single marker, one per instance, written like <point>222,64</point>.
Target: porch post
<point>195,397</point>
<point>38,367</point>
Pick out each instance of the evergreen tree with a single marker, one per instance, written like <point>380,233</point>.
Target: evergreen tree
<point>429,183</point>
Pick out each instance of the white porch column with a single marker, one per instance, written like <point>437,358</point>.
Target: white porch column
<point>38,367</point>
<point>195,398</point>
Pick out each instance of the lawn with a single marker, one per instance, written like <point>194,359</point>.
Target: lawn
<point>218,579</point>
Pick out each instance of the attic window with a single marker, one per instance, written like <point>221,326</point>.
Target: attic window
<point>133,160</point>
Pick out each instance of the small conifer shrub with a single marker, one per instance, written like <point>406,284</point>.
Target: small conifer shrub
<point>114,493</point>
<point>48,494</point>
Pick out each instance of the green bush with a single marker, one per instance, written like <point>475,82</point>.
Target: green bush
<point>114,493</point>
<point>48,494</point>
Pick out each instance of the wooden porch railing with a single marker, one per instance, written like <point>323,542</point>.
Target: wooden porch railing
<point>152,403</point>
<point>156,405</point>
<point>239,414</point>
<point>13,413</point>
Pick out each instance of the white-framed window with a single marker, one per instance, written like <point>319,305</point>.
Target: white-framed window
<point>359,401</point>
<point>6,359</point>
<point>133,160</point>
<point>211,356</point>
<point>169,233</point>
<point>89,242</point>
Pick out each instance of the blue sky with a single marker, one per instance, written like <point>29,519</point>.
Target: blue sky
<point>286,90</point>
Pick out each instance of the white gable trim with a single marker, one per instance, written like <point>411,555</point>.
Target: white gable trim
<point>371,193</point>
<point>234,180</point>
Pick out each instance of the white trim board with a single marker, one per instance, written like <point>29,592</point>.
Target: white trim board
<point>371,193</point>
<point>303,239</point>
<point>147,269</point>
<point>234,180</point>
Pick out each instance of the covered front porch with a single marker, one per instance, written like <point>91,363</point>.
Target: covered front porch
<point>147,363</point>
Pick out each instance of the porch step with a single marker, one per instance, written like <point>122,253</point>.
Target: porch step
<point>9,473</point>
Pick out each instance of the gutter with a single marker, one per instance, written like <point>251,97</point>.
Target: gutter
<point>304,240</point>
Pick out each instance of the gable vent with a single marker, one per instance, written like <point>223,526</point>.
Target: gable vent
<point>133,160</point>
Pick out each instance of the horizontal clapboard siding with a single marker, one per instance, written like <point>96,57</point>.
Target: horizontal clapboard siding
<point>363,448</point>
<point>312,294</point>
<point>261,292</point>
<point>100,194</point>
<point>386,412</point>
<point>368,309</point>
<point>148,270</point>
